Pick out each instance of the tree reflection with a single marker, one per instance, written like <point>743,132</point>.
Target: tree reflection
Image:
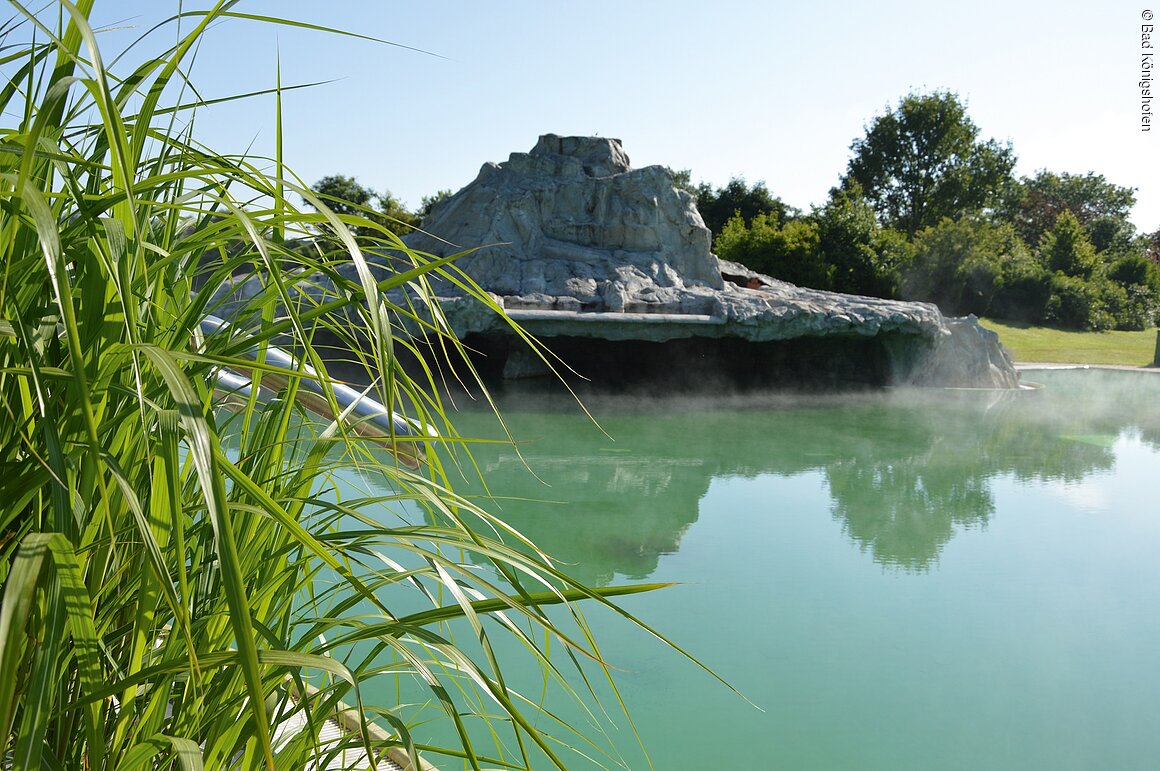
<point>905,470</point>
<point>903,500</point>
<point>902,513</point>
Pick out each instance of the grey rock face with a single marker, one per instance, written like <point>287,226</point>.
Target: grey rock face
<point>572,219</point>
<point>578,243</point>
<point>968,356</point>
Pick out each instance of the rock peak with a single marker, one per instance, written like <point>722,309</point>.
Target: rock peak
<point>599,156</point>
<point>570,224</point>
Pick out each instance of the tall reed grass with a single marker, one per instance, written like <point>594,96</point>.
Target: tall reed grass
<point>180,580</point>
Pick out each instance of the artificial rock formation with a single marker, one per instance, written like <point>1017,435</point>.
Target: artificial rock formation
<point>611,267</point>
<point>578,245</point>
<point>571,226</point>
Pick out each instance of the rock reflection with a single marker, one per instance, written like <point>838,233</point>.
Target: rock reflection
<point>601,508</point>
<point>905,470</point>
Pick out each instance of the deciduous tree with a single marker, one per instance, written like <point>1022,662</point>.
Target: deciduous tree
<point>428,202</point>
<point>345,196</point>
<point>717,206</point>
<point>923,161</point>
<point>1102,208</point>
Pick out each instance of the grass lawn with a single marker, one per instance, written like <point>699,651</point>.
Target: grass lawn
<point>1042,344</point>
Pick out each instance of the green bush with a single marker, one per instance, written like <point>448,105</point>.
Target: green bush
<point>790,252</point>
<point>1133,269</point>
<point>962,265</point>
<point>1066,248</point>
<point>1024,289</point>
<point>866,258</point>
<point>1132,306</point>
<point>1076,303</point>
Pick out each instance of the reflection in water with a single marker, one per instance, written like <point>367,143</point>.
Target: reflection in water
<point>910,514</point>
<point>905,469</point>
<point>600,513</point>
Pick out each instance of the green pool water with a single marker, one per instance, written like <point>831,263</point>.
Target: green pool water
<point>899,580</point>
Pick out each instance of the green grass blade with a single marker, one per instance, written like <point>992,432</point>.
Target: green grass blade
<point>202,441</point>
<point>19,594</point>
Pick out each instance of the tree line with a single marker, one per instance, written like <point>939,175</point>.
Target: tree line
<point>927,210</point>
<point>346,196</point>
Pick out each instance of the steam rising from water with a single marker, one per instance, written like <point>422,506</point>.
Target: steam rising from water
<point>905,468</point>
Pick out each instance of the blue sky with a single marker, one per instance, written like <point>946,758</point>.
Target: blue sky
<point>769,91</point>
